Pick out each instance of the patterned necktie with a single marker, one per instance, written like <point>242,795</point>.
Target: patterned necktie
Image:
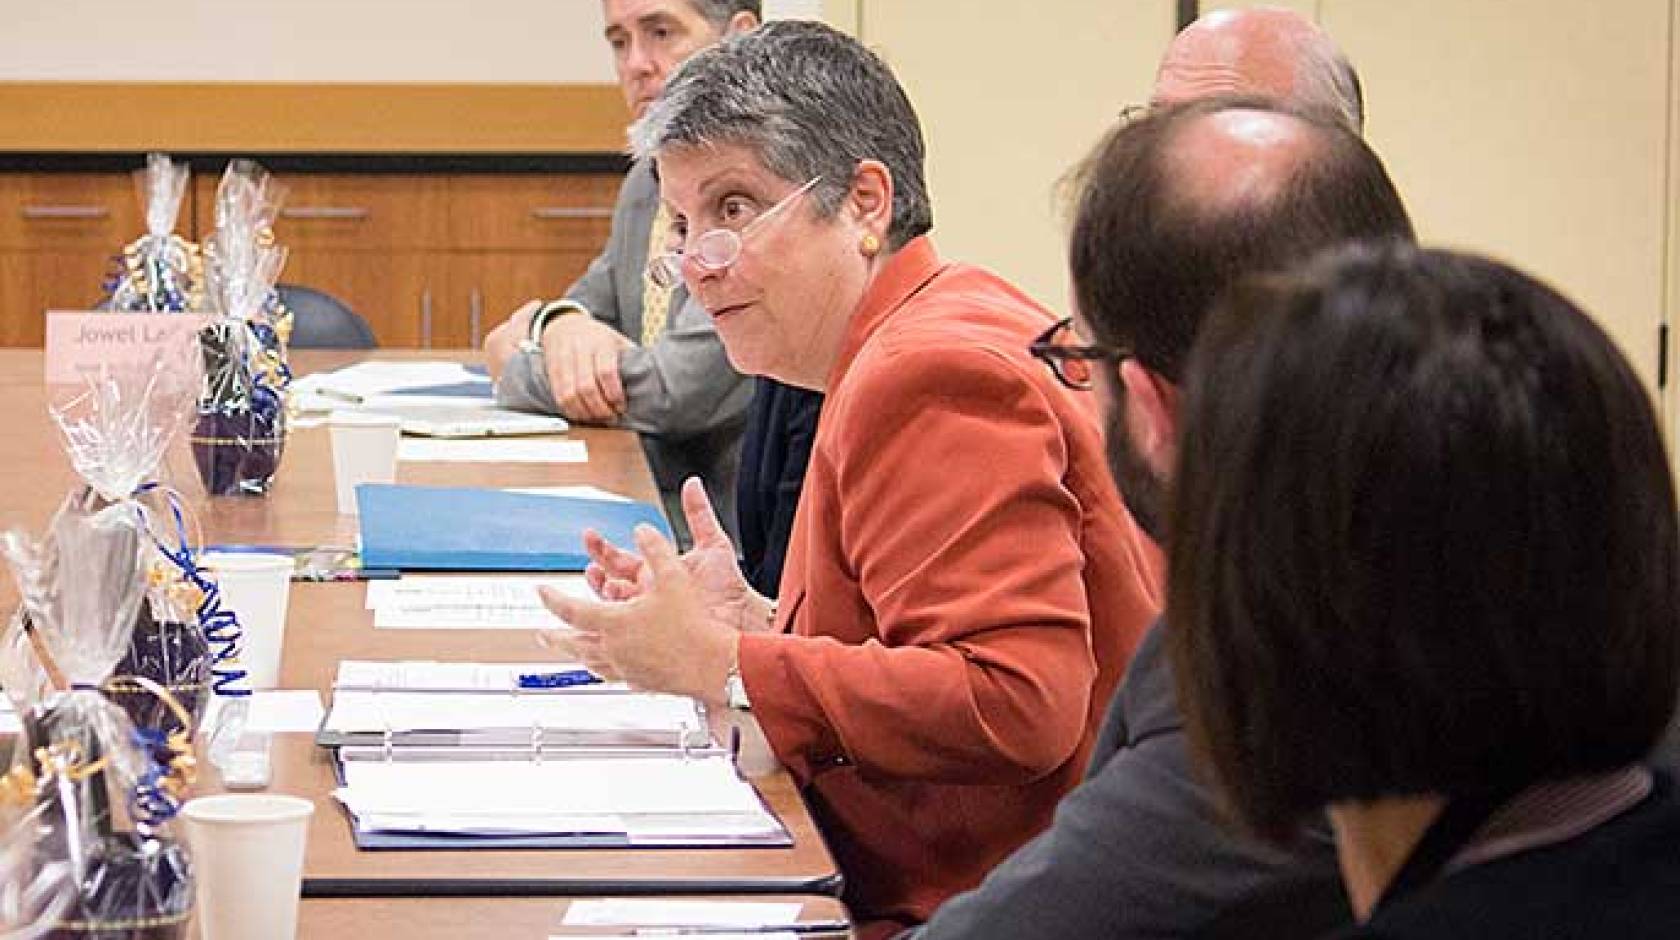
<point>656,300</point>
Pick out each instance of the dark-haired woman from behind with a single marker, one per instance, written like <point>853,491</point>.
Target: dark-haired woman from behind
<point>1424,574</point>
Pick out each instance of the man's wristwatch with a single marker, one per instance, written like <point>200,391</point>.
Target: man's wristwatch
<point>532,343</point>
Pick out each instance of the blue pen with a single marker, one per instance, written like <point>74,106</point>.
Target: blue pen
<point>557,680</point>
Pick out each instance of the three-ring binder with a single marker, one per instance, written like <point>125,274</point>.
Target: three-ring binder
<point>380,720</point>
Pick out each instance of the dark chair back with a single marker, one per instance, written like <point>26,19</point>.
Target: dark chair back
<point>322,321</point>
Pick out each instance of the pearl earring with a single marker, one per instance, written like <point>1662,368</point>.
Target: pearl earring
<point>869,245</point>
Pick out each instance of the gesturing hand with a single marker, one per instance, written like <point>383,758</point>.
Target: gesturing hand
<point>614,573</point>
<point>667,638</point>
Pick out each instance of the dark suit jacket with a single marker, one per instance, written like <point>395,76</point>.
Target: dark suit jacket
<point>781,424</point>
<point>1619,880</point>
<point>1139,850</point>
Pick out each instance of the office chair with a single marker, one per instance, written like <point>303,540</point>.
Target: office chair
<point>322,321</point>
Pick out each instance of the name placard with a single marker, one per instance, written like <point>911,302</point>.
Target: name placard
<point>85,345</point>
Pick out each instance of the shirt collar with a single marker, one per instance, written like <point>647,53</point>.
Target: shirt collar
<point>1555,811</point>
<point>905,273</point>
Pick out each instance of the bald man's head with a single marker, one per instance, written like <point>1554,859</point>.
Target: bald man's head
<point>1266,51</point>
<point>1234,160</point>
<point>1174,208</point>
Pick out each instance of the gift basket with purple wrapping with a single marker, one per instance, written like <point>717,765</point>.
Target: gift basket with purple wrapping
<point>241,428</point>
<point>159,272</point>
<point>110,659</point>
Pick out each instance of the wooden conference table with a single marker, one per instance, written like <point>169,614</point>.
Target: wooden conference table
<point>328,622</point>
<point>508,918</point>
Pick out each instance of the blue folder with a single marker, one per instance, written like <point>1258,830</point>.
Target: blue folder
<point>451,528</point>
<point>472,388</point>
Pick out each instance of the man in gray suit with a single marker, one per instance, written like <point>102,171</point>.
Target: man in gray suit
<point>1170,211</point>
<point>615,349</point>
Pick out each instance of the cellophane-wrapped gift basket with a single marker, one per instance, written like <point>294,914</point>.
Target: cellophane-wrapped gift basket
<point>118,644</point>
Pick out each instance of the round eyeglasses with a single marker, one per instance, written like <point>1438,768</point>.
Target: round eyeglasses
<point>719,248</point>
<point>1070,361</point>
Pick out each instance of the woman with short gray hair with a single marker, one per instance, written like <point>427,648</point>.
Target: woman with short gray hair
<point>935,674</point>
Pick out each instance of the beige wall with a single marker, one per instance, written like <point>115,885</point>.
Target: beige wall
<point>520,41</point>
<point>1671,197</point>
<point>842,14</point>
<point>1011,97</point>
<point>306,40</point>
<point>1535,130</point>
<point>1539,131</point>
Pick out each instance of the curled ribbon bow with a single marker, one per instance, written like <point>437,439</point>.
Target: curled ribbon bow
<point>220,624</point>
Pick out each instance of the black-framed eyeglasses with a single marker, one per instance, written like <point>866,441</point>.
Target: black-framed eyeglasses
<point>1070,361</point>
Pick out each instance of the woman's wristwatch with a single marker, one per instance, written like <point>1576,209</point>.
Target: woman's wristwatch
<point>734,690</point>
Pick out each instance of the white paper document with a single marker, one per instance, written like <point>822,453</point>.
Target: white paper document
<point>482,705</point>
<point>466,602</point>
<point>625,718</point>
<point>576,492</point>
<point>722,933</point>
<point>275,711</point>
<point>416,675</point>
<point>645,912</point>
<point>355,384</point>
<point>650,799</point>
<point>492,450</point>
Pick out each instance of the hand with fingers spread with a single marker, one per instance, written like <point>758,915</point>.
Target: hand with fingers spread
<point>612,572</point>
<point>615,574</point>
<point>581,354</point>
<point>668,638</point>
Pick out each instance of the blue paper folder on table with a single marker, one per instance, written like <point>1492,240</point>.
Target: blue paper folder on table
<point>448,528</point>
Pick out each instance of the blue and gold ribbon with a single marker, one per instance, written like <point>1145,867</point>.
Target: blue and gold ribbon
<point>219,624</point>
<point>171,767</point>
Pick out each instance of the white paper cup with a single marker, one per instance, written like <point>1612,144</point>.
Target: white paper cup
<point>256,586</point>
<point>364,449</point>
<point>247,854</point>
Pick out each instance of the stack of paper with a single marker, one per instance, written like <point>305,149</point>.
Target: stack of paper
<point>491,449</point>
<point>468,602</point>
<point>481,705</point>
<point>717,920</point>
<point>458,755</point>
<point>644,800</point>
<point>374,383</point>
<point>516,719</point>
<point>419,675</point>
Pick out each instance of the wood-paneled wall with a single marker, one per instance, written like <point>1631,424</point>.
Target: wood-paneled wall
<point>322,118</point>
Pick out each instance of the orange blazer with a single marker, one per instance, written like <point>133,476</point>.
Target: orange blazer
<point>962,591</point>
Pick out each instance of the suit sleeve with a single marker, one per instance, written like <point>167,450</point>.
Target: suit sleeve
<point>524,382</point>
<point>597,290</point>
<point>682,385</point>
<point>1139,850</point>
<point>965,542</point>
